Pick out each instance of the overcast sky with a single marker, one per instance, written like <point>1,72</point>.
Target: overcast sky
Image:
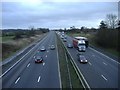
<point>55,14</point>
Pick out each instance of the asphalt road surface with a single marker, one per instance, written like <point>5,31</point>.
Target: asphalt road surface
<point>101,71</point>
<point>27,74</point>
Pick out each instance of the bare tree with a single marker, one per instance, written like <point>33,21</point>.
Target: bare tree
<point>111,20</point>
<point>73,27</point>
<point>31,28</point>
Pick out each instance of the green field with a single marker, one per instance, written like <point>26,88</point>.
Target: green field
<point>6,38</point>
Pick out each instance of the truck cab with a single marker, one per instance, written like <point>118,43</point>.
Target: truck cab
<point>83,38</point>
<point>81,46</point>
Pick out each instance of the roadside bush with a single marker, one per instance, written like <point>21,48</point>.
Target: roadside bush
<point>107,38</point>
<point>7,49</point>
<point>18,35</point>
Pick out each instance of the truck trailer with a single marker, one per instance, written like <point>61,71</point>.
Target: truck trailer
<point>81,43</point>
<point>83,38</point>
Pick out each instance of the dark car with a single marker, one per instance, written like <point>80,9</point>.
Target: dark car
<point>38,59</point>
<point>69,45</point>
<point>65,40</point>
<point>52,47</point>
<point>82,59</point>
<point>42,48</point>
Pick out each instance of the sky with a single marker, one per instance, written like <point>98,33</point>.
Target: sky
<point>55,15</point>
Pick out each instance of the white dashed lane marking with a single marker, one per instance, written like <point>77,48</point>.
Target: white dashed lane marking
<point>104,77</point>
<point>17,80</point>
<point>104,63</point>
<point>39,79</point>
<point>89,63</point>
<point>43,64</point>
<point>28,65</point>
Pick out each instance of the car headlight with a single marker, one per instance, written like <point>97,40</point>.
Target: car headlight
<point>81,60</point>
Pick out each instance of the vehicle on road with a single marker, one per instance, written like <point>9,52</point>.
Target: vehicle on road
<point>42,48</point>
<point>79,44</point>
<point>69,45</point>
<point>65,36</point>
<point>83,38</point>
<point>52,47</point>
<point>62,37</point>
<point>38,59</point>
<point>65,40</point>
<point>82,59</point>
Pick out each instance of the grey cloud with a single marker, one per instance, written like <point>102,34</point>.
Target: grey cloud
<point>55,15</point>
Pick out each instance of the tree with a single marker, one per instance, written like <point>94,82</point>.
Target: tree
<point>103,25</point>
<point>82,28</point>
<point>73,27</point>
<point>111,20</point>
<point>119,24</point>
<point>31,28</point>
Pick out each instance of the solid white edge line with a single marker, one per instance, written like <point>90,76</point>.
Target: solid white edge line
<point>39,79</point>
<point>78,69</point>
<point>17,80</point>
<point>14,64</point>
<point>58,63</point>
<point>20,59</point>
<point>104,77</point>
<point>104,55</point>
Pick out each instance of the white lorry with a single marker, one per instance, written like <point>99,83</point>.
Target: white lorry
<point>80,43</point>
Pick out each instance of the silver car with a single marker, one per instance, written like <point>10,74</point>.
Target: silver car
<point>82,59</point>
<point>52,47</point>
<point>69,45</point>
<point>42,48</point>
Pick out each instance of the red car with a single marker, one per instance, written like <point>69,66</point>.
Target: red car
<point>38,59</point>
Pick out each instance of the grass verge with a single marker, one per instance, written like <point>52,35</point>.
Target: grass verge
<point>63,65</point>
<point>10,46</point>
<point>6,38</point>
<point>69,77</point>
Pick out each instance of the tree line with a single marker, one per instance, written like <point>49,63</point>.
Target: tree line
<point>108,33</point>
<point>21,33</point>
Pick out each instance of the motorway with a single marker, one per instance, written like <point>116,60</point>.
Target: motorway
<point>27,74</point>
<point>101,71</point>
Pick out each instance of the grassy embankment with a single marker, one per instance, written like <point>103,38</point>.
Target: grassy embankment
<point>69,77</point>
<point>91,38</point>
<point>10,45</point>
